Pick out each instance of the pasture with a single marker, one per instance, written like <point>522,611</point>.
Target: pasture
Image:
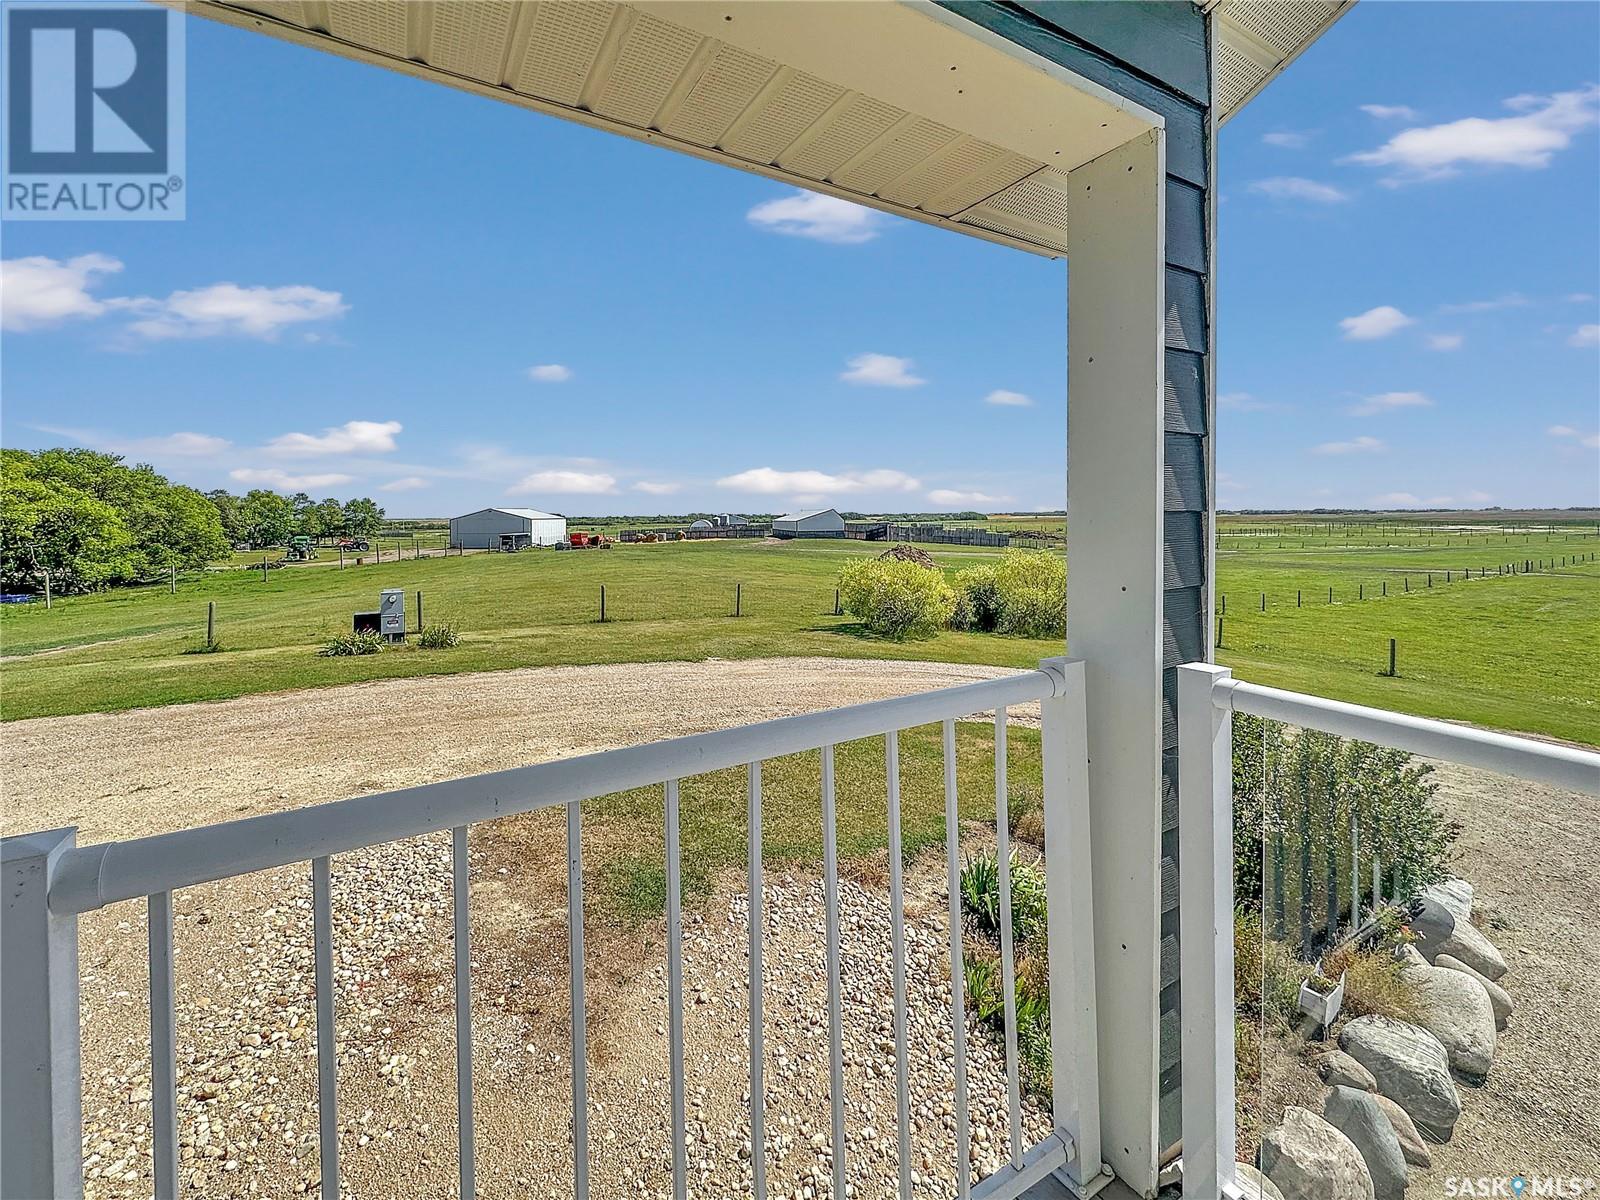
<point>1510,651</point>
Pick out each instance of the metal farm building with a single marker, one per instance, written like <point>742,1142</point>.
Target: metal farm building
<point>822,522</point>
<point>485,529</point>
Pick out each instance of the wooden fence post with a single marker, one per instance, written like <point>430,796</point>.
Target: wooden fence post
<point>211,623</point>
<point>419,610</point>
<point>47,591</point>
<point>738,599</point>
<point>602,602</point>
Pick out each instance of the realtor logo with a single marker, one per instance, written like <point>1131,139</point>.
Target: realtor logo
<point>94,112</point>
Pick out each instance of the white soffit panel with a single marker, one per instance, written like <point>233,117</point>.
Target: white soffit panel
<point>1257,39</point>
<point>899,106</point>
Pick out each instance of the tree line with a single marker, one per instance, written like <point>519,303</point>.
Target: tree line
<point>88,521</point>
<point>265,518</point>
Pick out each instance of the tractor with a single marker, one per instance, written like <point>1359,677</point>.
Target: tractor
<point>299,549</point>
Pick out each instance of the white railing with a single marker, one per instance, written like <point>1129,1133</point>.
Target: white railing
<point>1207,698</point>
<point>49,881</point>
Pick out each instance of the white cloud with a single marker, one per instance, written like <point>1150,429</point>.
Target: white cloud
<point>1584,336</point>
<point>1509,300</point>
<point>1005,399</point>
<point>768,481</point>
<point>282,481</point>
<point>1409,500</point>
<point>1388,402</point>
<point>1540,127</point>
<point>1445,341</point>
<point>950,498</point>
<point>1477,497</point>
<point>226,309</point>
<point>1579,298</point>
<point>353,437</point>
<point>172,445</point>
<point>38,291</point>
<point>1292,187</point>
<point>1375,323</point>
<point>1360,445</point>
<point>576,483</point>
<point>1566,433</point>
<point>550,373</point>
<point>650,488</point>
<point>1245,402</point>
<point>1390,112</point>
<point>881,370</point>
<point>406,483</point>
<point>1287,139</point>
<point>821,218</point>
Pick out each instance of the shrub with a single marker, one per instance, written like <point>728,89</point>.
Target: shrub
<point>1286,779</point>
<point>980,896</point>
<point>896,599</point>
<point>1266,977</point>
<point>1032,590</point>
<point>1372,984</point>
<point>438,637</point>
<point>1023,595</point>
<point>985,996</point>
<point>977,600</point>
<point>348,644</point>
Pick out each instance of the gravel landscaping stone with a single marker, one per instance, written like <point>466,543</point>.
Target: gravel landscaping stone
<point>1405,1131</point>
<point>1438,931</point>
<point>1411,1068</point>
<point>1499,998</point>
<point>1356,1115</point>
<point>1338,1069</point>
<point>1308,1159</point>
<point>1455,1009</point>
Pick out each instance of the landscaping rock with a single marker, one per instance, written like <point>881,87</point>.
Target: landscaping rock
<point>1409,955</point>
<point>1439,932</point>
<point>1411,1143</point>
<point>1338,1069</point>
<point>1499,999</point>
<point>1255,1185</point>
<point>1411,1068</point>
<point>1308,1159</point>
<point>1455,1009</point>
<point>1356,1114</point>
<point>1454,895</point>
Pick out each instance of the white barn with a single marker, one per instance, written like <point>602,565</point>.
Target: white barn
<point>488,527</point>
<point>821,522</point>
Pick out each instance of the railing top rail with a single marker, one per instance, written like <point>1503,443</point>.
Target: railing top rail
<point>90,877</point>
<point>1569,767</point>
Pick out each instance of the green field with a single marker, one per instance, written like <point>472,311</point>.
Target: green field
<point>1513,652</point>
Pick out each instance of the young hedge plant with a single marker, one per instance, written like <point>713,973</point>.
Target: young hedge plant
<point>896,599</point>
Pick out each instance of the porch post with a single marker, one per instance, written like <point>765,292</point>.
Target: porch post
<point>1115,503</point>
<point>41,1106</point>
<point>1205,905</point>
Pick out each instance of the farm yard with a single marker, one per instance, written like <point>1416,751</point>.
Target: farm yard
<point>1492,623</point>
<point>569,652</point>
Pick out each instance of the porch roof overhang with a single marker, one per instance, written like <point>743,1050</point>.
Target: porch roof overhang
<point>904,107</point>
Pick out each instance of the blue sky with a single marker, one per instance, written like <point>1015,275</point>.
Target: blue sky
<point>390,288</point>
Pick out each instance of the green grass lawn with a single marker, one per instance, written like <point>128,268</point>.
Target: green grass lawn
<point>1513,652</point>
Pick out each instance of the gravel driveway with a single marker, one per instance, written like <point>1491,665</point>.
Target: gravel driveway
<point>244,961</point>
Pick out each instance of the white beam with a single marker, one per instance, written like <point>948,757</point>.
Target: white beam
<point>1115,343</point>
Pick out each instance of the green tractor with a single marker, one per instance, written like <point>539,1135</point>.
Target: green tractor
<point>299,549</point>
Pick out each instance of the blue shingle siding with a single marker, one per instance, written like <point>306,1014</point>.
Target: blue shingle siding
<point>1155,53</point>
<point>1184,388</point>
